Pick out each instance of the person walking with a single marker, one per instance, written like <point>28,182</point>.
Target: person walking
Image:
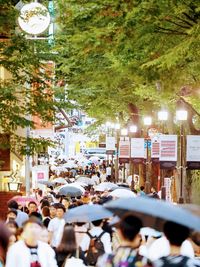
<point>56,226</point>
<point>21,216</point>
<point>4,243</point>
<point>29,251</point>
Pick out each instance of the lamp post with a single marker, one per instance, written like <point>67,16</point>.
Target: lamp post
<point>117,128</point>
<point>124,133</point>
<point>162,117</point>
<point>133,130</point>
<point>181,115</point>
<point>147,122</point>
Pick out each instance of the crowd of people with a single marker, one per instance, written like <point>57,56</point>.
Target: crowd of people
<point>38,235</point>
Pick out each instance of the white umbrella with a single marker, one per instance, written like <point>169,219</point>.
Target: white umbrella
<point>85,180</point>
<point>95,160</point>
<point>106,187</point>
<point>73,185</point>
<point>122,193</point>
<point>70,165</point>
<point>59,180</point>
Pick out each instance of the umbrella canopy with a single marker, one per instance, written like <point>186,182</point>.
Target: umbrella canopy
<point>87,213</point>
<point>47,183</point>
<point>70,191</point>
<point>85,180</point>
<point>106,187</point>
<point>24,200</point>
<point>124,185</point>
<point>70,165</point>
<point>154,212</point>
<point>122,193</point>
<point>59,180</point>
<point>95,160</point>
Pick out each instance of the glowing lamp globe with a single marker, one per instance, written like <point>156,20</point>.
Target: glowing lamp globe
<point>34,18</point>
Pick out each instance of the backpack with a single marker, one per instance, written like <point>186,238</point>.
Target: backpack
<point>96,249</point>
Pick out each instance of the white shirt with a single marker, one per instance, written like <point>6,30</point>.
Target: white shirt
<point>161,248</point>
<point>108,171</point>
<point>95,179</point>
<point>56,226</point>
<point>21,217</point>
<point>96,231</point>
<point>19,255</point>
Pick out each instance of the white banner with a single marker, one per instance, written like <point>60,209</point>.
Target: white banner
<point>40,173</point>
<point>168,148</point>
<point>124,149</point>
<point>193,148</point>
<point>155,147</point>
<point>110,143</point>
<point>137,148</point>
<point>167,184</point>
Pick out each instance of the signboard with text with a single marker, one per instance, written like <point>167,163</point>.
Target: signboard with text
<point>168,151</point>
<point>193,152</point>
<point>137,148</point>
<point>124,150</point>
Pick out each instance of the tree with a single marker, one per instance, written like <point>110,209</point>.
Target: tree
<point>113,53</point>
<point>27,90</point>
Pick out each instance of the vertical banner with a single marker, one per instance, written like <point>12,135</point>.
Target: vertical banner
<point>110,144</point>
<point>168,151</point>
<point>137,148</point>
<point>193,152</point>
<point>155,147</point>
<point>124,150</point>
<point>40,173</point>
<point>167,184</point>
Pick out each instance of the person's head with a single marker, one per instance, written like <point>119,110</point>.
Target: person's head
<point>12,227</point>
<point>44,235</point>
<point>68,241</point>
<point>65,202</point>
<point>31,230</point>
<point>12,204</point>
<point>176,233</point>
<point>129,228</point>
<point>36,215</point>
<point>32,206</point>
<point>45,212</point>
<point>142,188</point>
<point>11,215</point>
<point>4,241</point>
<point>52,210</point>
<point>60,210</point>
<point>44,203</point>
<point>40,192</point>
<point>58,198</point>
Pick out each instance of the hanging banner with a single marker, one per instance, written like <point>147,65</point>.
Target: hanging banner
<point>124,151</point>
<point>137,148</point>
<point>39,173</point>
<point>168,151</point>
<point>193,152</point>
<point>167,184</point>
<point>155,147</point>
<point>110,145</point>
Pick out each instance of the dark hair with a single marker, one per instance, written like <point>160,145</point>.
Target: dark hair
<point>45,211</point>
<point>71,206</point>
<point>33,220</point>
<point>40,192</point>
<point>4,241</point>
<point>176,233</point>
<point>12,211</point>
<point>142,188</point>
<point>130,226</point>
<point>44,203</point>
<point>97,222</point>
<point>12,204</point>
<point>32,202</point>
<point>60,206</point>
<point>68,241</point>
<point>36,215</point>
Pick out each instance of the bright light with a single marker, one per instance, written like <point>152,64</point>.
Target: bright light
<point>181,115</point>
<point>117,126</point>
<point>34,18</point>
<point>163,115</point>
<point>147,121</point>
<point>108,124</point>
<point>124,132</point>
<point>133,129</point>
<point>112,125</point>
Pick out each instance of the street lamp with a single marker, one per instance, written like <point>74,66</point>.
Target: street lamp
<point>147,121</point>
<point>124,132</point>
<point>117,126</point>
<point>133,129</point>
<point>181,115</point>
